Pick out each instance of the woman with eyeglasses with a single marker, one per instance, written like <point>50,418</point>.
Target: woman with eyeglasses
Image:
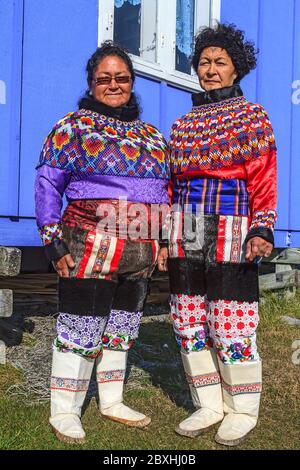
<point>111,166</point>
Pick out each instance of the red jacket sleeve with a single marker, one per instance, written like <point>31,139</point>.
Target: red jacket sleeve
<point>262,190</point>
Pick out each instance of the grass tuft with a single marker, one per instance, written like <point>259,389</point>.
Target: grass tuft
<point>156,386</point>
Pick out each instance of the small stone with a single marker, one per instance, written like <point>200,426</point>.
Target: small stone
<point>2,353</point>
<point>10,261</point>
<point>290,320</point>
<point>6,302</point>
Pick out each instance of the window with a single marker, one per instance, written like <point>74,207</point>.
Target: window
<point>185,27</point>
<point>159,34</point>
<point>135,27</point>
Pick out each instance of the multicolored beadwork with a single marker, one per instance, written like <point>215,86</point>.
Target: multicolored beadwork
<point>220,135</point>
<point>90,143</point>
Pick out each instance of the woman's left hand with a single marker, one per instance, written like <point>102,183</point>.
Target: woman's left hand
<point>257,246</point>
<point>162,259</point>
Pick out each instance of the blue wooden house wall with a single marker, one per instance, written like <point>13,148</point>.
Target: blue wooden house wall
<point>44,47</point>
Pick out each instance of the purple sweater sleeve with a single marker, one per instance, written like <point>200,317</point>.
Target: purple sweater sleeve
<point>50,185</point>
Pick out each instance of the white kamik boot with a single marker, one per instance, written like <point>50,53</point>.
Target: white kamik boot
<point>241,385</point>
<point>201,368</point>
<point>110,377</point>
<point>70,379</point>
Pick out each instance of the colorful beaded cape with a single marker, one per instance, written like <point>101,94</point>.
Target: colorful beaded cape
<point>90,143</point>
<point>219,135</point>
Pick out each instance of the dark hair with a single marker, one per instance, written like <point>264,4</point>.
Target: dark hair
<point>228,37</point>
<point>106,49</point>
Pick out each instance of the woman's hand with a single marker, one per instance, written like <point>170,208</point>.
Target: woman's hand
<point>257,246</point>
<point>162,259</point>
<point>63,264</point>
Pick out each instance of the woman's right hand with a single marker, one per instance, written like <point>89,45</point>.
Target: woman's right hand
<point>162,259</point>
<point>63,265</point>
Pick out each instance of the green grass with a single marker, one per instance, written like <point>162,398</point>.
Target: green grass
<point>28,340</point>
<point>161,392</point>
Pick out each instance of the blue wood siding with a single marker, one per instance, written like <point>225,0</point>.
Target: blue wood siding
<point>294,199</point>
<point>44,47</point>
<point>19,232</point>
<point>161,103</point>
<point>11,36</point>
<point>59,36</point>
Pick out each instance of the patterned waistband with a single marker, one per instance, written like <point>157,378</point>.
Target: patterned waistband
<point>116,218</point>
<point>212,196</point>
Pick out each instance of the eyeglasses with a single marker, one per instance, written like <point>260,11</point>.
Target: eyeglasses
<point>107,80</point>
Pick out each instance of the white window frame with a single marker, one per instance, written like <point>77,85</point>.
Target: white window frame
<point>164,68</point>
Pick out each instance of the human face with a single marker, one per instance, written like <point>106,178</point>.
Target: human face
<point>112,94</point>
<point>215,69</point>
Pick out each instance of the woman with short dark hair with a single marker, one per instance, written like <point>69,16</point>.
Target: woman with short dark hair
<point>223,165</point>
<point>111,165</point>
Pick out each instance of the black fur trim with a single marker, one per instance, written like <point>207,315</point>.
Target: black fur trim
<point>88,297</point>
<point>233,282</point>
<point>131,295</point>
<point>221,281</point>
<point>214,96</point>
<point>186,276</point>
<point>262,232</point>
<point>128,112</point>
<point>163,244</point>
<point>56,250</point>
